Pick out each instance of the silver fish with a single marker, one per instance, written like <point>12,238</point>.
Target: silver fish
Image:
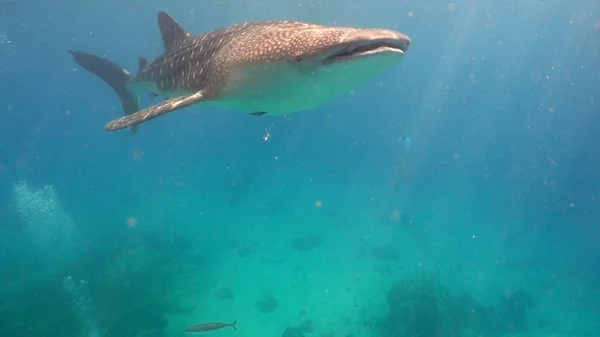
<point>210,327</point>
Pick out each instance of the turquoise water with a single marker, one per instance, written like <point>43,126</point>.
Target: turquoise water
<point>455,195</point>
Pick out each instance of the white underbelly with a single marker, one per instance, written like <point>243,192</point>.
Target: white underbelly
<point>287,88</point>
<point>282,95</point>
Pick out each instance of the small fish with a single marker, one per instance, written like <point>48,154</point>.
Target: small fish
<point>210,327</point>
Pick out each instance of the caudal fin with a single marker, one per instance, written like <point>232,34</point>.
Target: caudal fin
<point>233,325</point>
<point>112,74</point>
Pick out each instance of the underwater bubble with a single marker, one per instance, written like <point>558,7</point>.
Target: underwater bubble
<point>406,142</point>
<point>7,48</point>
<point>4,40</point>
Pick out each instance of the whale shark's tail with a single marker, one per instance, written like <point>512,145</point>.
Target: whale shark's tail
<point>112,74</point>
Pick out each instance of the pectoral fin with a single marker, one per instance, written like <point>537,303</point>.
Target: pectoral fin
<point>154,111</point>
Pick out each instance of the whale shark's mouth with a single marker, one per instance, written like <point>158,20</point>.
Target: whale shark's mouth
<point>371,48</point>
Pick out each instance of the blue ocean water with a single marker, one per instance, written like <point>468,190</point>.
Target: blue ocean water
<point>455,195</point>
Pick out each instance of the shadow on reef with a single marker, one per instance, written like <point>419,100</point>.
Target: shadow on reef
<point>133,289</point>
<point>128,282</point>
<point>420,306</point>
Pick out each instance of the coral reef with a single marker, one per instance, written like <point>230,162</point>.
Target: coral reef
<point>267,304</point>
<point>307,243</point>
<point>420,306</point>
<point>511,311</point>
<point>225,293</point>
<point>385,252</point>
<point>298,331</point>
<point>241,249</point>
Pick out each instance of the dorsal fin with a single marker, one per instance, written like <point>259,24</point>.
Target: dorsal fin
<point>142,64</point>
<point>172,32</point>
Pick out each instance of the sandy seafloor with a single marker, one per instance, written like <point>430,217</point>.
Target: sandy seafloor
<point>341,285</point>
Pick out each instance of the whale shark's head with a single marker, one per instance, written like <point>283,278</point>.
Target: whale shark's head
<point>283,67</point>
<point>338,45</point>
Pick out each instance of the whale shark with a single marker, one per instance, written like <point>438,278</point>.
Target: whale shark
<point>260,68</point>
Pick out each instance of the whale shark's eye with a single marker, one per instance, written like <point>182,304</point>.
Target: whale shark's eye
<point>298,58</point>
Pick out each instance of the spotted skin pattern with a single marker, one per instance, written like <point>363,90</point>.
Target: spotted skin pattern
<point>202,62</point>
<point>204,67</point>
